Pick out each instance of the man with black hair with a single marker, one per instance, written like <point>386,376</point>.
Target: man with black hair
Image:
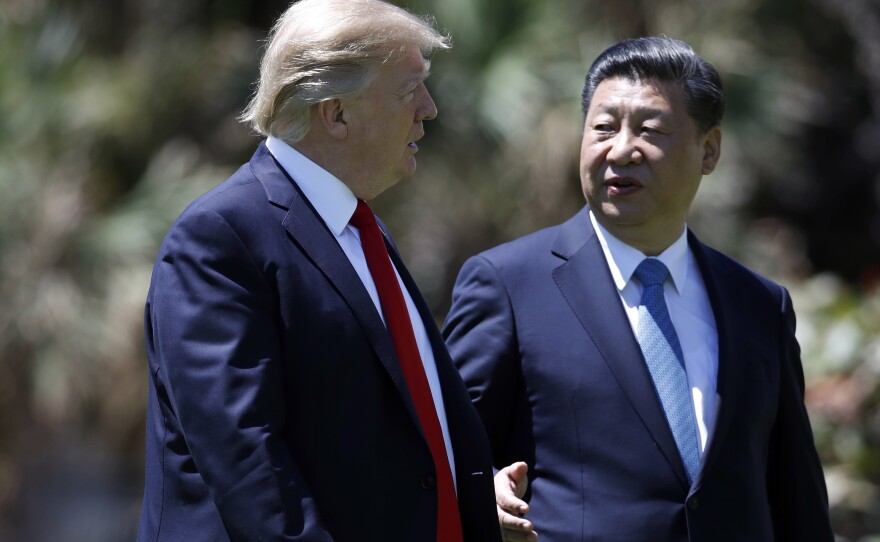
<point>637,385</point>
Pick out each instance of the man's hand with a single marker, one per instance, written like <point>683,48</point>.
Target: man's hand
<point>510,486</point>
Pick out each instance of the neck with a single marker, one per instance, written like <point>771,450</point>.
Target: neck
<point>334,160</point>
<point>649,243</point>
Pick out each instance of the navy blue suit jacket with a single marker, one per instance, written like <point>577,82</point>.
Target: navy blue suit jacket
<point>277,409</point>
<point>540,336</point>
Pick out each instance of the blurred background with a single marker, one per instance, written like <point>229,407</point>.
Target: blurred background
<point>114,114</point>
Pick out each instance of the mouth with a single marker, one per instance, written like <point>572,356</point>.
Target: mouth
<point>412,144</point>
<point>622,185</point>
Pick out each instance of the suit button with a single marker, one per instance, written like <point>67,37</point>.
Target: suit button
<point>427,482</point>
<point>693,503</point>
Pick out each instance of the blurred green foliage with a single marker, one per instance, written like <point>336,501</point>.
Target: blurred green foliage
<point>114,115</point>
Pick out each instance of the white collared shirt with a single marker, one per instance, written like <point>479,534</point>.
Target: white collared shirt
<point>689,309</point>
<point>335,203</point>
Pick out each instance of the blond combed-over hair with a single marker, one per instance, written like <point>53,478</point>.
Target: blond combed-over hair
<point>329,49</point>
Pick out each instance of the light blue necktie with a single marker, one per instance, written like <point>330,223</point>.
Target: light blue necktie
<point>662,351</point>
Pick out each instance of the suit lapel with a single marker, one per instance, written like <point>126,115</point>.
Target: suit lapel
<point>437,344</point>
<point>446,372</point>
<point>308,231</point>
<point>725,301</point>
<point>587,285</point>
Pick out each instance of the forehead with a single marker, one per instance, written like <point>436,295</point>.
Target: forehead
<point>619,94</point>
<point>404,68</point>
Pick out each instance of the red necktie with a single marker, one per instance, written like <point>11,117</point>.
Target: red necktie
<point>399,325</point>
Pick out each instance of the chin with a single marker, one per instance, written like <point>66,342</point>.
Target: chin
<point>622,211</point>
<point>406,171</point>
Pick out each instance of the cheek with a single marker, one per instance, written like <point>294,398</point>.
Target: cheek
<point>589,158</point>
<point>589,185</point>
<point>593,153</point>
<point>591,168</point>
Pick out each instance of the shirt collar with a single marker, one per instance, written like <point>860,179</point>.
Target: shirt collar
<point>330,197</point>
<point>623,259</point>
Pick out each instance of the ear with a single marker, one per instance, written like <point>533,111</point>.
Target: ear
<point>332,115</point>
<point>711,149</point>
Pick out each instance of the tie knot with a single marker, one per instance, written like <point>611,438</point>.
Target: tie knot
<point>363,215</point>
<point>651,272</point>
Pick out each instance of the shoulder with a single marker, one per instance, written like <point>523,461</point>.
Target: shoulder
<point>240,205</point>
<point>231,216</point>
<point>539,247</point>
<point>732,274</point>
<point>240,192</point>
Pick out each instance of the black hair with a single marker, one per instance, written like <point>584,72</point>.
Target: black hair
<point>662,59</point>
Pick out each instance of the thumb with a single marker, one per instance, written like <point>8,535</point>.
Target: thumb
<point>517,474</point>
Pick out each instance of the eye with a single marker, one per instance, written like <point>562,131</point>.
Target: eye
<point>651,129</point>
<point>603,127</point>
<point>407,94</point>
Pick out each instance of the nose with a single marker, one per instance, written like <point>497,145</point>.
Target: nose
<point>427,108</point>
<point>623,148</point>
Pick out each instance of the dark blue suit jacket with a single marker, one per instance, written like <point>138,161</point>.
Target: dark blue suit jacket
<point>277,407</point>
<point>540,336</point>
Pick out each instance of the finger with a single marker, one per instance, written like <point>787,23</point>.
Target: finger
<point>517,475</point>
<point>521,486</point>
<point>518,470</point>
<point>508,535</point>
<point>512,480</point>
<point>511,504</point>
<point>513,522</point>
<point>515,471</point>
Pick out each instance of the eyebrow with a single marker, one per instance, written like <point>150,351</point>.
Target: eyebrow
<point>424,75</point>
<point>642,112</point>
<point>415,81</point>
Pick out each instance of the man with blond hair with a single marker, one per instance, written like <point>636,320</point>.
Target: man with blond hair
<point>299,388</point>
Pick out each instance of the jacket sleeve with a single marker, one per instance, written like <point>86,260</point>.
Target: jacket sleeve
<point>216,346</point>
<point>481,337</point>
<point>795,481</point>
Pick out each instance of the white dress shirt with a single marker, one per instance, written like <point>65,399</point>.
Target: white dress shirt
<point>335,203</point>
<point>689,309</point>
